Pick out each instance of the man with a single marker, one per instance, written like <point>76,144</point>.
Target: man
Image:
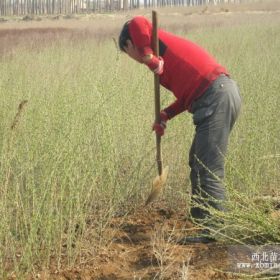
<point>202,87</point>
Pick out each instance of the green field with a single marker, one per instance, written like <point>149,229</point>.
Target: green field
<point>81,150</point>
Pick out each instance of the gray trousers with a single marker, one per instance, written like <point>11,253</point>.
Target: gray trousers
<point>214,115</point>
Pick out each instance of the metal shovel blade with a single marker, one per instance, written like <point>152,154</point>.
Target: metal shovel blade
<point>158,185</point>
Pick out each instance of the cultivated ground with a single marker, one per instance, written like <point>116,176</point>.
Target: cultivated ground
<point>77,153</point>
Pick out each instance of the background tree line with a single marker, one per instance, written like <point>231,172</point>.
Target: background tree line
<point>45,7</point>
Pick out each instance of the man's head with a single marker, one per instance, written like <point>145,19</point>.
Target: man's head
<point>124,36</point>
<point>126,45</point>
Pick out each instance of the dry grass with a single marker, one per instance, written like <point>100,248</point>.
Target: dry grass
<point>78,158</point>
<point>166,254</point>
<point>36,38</point>
<point>35,34</point>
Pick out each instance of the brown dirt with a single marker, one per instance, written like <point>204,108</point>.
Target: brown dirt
<point>143,246</point>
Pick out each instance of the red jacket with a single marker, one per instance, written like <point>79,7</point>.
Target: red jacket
<point>188,69</point>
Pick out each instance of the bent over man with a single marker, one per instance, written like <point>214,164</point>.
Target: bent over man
<point>202,87</point>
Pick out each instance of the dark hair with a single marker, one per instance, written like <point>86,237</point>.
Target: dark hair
<point>124,36</point>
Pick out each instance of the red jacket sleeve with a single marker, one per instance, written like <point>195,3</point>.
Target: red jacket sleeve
<point>175,108</point>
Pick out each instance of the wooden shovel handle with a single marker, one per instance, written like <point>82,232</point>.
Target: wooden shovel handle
<point>155,46</point>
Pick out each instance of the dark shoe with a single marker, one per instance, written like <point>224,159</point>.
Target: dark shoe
<point>202,237</point>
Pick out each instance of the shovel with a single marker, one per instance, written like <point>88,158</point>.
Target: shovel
<point>159,181</point>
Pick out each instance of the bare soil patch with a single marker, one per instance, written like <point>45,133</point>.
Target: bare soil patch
<point>143,246</point>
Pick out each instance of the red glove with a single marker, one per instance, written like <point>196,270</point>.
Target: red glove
<point>161,126</point>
